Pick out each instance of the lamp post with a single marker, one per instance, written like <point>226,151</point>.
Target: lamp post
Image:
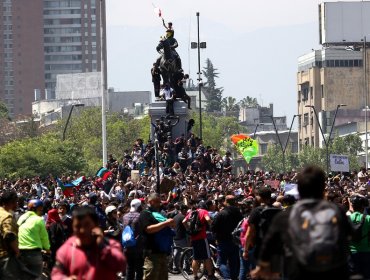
<point>156,143</point>
<point>366,101</point>
<point>199,45</point>
<point>69,117</point>
<point>103,91</point>
<point>326,141</point>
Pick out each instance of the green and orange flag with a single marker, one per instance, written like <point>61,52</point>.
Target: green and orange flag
<point>247,146</point>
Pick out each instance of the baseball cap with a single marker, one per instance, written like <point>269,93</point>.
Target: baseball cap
<point>135,204</point>
<point>110,209</point>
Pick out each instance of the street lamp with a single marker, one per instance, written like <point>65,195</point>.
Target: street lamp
<point>103,91</point>
<point>326,141</point>
<point>283,148</point>
<point>69,116</point>
<point>199,45</point>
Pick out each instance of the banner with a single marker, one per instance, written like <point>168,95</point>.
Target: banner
<point>339,163</point>
<point>247,146</point>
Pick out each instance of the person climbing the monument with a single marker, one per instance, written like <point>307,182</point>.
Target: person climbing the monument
<point>168,95</point>
<point>168,27</point>
<point>156,79</point>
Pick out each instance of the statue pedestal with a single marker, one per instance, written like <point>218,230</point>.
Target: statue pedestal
<point>157,110</point>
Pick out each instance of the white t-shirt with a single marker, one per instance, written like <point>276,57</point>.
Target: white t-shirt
<point>167,93</point>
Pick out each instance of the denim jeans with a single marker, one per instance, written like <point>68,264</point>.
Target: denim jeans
<point>33,261</point>
<point>135,263</point>
<point>228,259</point>
<point>246,265</point>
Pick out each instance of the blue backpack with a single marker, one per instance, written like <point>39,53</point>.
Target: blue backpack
<point>128,237</point>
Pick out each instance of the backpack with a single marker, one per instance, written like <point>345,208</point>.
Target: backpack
<point>128,237</point>
<point>163,238</point>
<point>266,216</point>
<point>195,225</point>
<point>237,231</point>
<point>357,229</point>
<point>316,235</point>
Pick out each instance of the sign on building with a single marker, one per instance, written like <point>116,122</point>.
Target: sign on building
<point>339,163</point>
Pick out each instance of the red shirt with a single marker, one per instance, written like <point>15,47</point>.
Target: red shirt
<point>202,217</point>
<point>93,263</point>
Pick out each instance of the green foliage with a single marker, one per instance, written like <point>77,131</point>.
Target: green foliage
<point>39,156</point>
<point>229,104</point>
<point>122,131</point>
<point>214,94</point>
<point>4,113</point>
<point>273,160</point>
<point>217,130</point>
<point>248,102</point>
<point>349,145</point>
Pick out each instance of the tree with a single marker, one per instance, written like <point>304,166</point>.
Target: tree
<point>229,104</point>
<point>248,102</point>
<point>273,159</point>
<point>122,131</point>
<point>40,156</point>
<point>4,113</point>
<point>217,130</point>
<point>214,94</point>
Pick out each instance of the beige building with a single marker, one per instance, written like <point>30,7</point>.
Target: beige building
<point>325,79</point>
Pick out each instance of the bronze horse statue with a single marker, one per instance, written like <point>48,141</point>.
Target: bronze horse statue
<point>168,62</point>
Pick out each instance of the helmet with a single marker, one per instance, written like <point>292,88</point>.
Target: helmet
<point>110,209</point>
<point>34,203</point>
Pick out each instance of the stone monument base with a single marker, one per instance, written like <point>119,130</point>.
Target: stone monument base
<point>157,110</point>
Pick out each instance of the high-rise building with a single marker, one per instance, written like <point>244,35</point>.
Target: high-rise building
<point>327,78</point>
<point>21,53</point>
<point>72,41</point>
<point>43,38</point>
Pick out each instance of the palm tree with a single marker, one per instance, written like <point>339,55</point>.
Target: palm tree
<point>229,104</point>
<point>248,102</point>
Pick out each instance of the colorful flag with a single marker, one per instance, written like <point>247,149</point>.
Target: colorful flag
<point>66,188</point>
<point>247,146</point>
<point>77,183</point>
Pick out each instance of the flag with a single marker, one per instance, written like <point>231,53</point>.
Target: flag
<point>158,11</point>
<point>77,183</point>
<point>101,172</point>
<point>247,146</point>
<point>66,188</point>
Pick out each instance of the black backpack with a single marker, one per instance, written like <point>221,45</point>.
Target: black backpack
<point>266,216</point>
<point>236,233</point>
<point>357,235</point>
<point>315,229</point>
<point>195,225</point>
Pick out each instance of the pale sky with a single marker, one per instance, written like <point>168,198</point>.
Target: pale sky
<point>254,44</point>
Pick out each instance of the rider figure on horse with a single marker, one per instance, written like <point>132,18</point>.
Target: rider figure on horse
<point>169,38</point>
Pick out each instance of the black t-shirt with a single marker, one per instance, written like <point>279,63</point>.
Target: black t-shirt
<point>277,243</point>
<point>180,229</point>
<point>146,219</point>
<point>254,219</point>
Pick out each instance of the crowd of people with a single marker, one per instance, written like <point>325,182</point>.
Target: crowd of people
<point>266,225</point>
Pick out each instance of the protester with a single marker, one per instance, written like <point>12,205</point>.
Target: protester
<point>155,258</point>
<point>223,225</point>
<point>134,254</point>
<point>196,223</point>
<point>56,231</point>
<point>88,254</point>
<point>33,237</point>
<point>8,234</point>
<point>360,248</point>
<point>312,236</point>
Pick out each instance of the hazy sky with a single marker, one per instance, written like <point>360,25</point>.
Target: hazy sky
<point>254,44</point>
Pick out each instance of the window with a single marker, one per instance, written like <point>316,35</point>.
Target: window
<point>263,148</point>
<point>312,141</point>
<point>304,90</point>
<point>322,91</point>
<point>299,96</point>
<point>311,92</point>
<point>299,121</point>
<point>305,119</point>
